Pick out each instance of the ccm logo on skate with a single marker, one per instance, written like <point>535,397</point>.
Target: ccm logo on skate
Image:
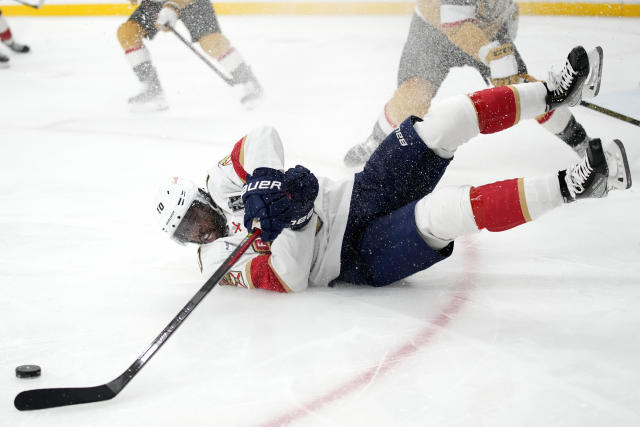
<point>400,137</point>
<point>262,185</point>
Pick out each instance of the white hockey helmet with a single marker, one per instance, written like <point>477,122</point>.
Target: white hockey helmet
<point>180,198</point>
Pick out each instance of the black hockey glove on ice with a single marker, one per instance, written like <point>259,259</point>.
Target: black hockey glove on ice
<point>265,199</point>
<point>302,186</point>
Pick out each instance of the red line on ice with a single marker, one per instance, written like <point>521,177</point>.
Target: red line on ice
<point>422,338</point>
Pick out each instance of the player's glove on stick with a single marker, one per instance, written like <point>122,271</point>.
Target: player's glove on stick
<point>168,16</point>
<point>502,62</point>
<point>265,198</point>
<point>302,186</point>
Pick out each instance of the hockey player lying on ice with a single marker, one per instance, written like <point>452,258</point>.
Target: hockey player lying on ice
<point>386,222</point>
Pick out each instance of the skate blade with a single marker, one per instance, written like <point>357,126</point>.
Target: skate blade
<point>622,180</point>
<point>592,85</point>
<point>158,105</point>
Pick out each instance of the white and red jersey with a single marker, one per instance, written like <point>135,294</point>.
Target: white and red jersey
<point>295,259</point>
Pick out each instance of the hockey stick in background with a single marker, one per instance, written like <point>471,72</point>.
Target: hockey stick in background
<point>610,113</point>
<point>52,397</point>
<point>226,79</point>
<point>35,6</point>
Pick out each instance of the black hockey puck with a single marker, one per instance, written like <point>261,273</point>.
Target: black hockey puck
<point>28,371</point>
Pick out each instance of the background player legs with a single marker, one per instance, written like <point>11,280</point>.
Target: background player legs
<point>7,39</point>
<point>218,46</point>
<point>130,35</point>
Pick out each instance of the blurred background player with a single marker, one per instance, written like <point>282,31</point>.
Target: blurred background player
<point>453,33</point>
<point>7,39</point>
<point>201,21</point>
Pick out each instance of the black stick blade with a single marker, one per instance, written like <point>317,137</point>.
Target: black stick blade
<point>51,397</point>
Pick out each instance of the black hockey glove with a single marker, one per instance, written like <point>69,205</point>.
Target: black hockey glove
<point>302,186</point>
<point>265,199</point>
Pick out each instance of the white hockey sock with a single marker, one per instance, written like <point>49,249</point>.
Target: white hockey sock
<point>137,55</point>
<point>385,123</point>
<point>542,193</point>
<point>448,124</point>
<point>556,121</point>
<point>531,98</point>
<point>444,215</point>
<point>230,60</point>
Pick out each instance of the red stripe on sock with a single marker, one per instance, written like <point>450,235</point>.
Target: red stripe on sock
<point>133,49</point>
<point>496,108</point>
<point>496,206</point>
<point>236,162</point>
<point>263,277</point>
<point>6,35</point>
<point>545,117</point>
<point>227,53</point>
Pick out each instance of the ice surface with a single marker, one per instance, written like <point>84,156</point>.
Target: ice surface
<point>537,326</point>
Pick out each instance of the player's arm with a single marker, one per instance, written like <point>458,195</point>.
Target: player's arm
<point>282,266</point>
<point>460,24</point>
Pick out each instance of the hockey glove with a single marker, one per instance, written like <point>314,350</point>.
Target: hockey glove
<point>302,186</point>
<point>168,16</point>
<point>502,62</point>
<point>266,200</point>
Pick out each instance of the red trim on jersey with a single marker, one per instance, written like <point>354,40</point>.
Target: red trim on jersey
<point>235,160</point>
<point>263,277</point>
<point>6,35</point>
<point>545,117</point>
<point>497,206</point>
<point>496,108</point>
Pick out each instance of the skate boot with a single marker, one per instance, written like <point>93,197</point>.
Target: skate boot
<point>360,153</point>
<point>4,61</point>
<point>151,98</point>
<point>17,47</point>
<point>602,169</point>
<point>567,87</point>
<point>244,78</point>
<point>252,93</point>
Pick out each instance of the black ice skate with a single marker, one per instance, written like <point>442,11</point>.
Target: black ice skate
<point>602,169</point>
<point>360,153</point>
<point>4,61</point>
<point>580,76</point>
<point>17,47</point>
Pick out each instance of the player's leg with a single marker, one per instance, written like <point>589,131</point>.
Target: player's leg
<point>130,35</point>
<point>200,19</point>
<point>426,59</point>
<point>451,212</point>
<point>7,38</point>
<point>421,233</point>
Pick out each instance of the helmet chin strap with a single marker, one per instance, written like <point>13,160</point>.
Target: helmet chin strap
<point>220,219</point>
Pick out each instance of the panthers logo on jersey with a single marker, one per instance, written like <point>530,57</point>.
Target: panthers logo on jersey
<point>225,162</point>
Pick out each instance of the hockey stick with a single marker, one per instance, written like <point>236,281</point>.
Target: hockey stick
<point>226,79</point>
<point>610,113</point>
<point>35,6</point>
<point>52,397</point>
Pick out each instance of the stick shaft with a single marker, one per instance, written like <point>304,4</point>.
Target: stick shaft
<point>610,113</point>
<point>226,79</point>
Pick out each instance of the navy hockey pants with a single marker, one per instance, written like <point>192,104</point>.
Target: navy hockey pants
<point>381,244</point>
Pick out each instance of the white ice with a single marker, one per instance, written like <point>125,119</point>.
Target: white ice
<point>537,326</point>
